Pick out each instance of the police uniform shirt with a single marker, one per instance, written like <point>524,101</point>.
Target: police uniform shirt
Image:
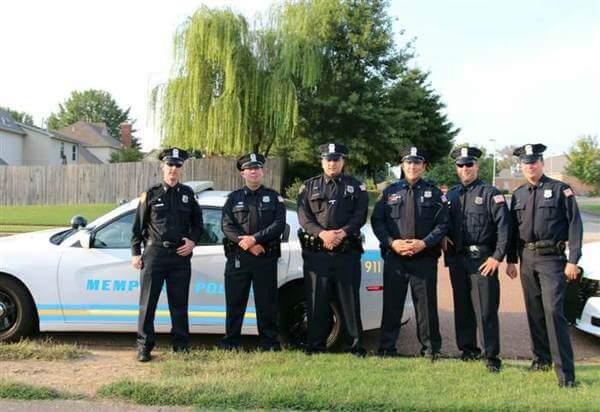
<point>166,213</point>
<point>555,217</point>
<point>431,215</point>
<point>332,203</point>
<point>479,216</point>
<point>259,213</point>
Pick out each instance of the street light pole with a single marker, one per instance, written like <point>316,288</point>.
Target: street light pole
<point>493,162</point>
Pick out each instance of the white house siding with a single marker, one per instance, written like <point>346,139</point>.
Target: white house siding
<point>11,148</point>
<point>102,153</point>
<point>68,147</point>
<point>36,148</point>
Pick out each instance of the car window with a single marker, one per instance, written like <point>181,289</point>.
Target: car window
<point>213,234</point>
<point>115,235</point>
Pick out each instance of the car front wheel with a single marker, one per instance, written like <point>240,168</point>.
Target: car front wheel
<point>17,312</point>
<point>293,320</point>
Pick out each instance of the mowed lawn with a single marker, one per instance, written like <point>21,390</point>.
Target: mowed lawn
<point>592,208</point>
<point>37,217</point>
<point>291,380</point>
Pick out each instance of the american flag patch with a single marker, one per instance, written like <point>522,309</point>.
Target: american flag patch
<point>280,199</point>
<point>568,192</point>
<point>499,199</point>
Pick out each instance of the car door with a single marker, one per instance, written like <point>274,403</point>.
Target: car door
<point>98,285</point>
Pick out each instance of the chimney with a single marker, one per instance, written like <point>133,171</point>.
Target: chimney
<point>126,135</point>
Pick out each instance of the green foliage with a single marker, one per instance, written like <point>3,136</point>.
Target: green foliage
<point>292,191</point>
<point>234,86</point>
<point>93,106</point>
<point>288,381</point>
<point>584,161</point>
<point>444,171</point>
<point>368,98</point>
<point>22,391</point>
<point>131,154</point>
<point>21,117</point>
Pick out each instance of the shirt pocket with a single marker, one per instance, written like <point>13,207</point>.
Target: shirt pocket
<point>394,207</point>
<point>267,212</point>
<point>550,208</point>
<point>317,203</point>
<point>476,218</point>
<point>519,211</point>
<point>428,209</point>
<point>240,214</point>
<point>159,212</point>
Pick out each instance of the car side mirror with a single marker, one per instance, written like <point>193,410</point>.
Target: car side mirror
<point>86,240</point>
<point>78,221</point>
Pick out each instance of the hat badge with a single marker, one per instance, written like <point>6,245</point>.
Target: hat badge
<point>528,150</point>
<point>464,152</point>
<point>175,153</point>
<point>331,147</point>
<point>252,157</point>
<point>413,151</point>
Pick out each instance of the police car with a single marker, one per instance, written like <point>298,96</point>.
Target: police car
<point>583,303</point>
<point>81,279</point>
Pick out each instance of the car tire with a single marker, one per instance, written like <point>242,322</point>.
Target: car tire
<point>293,320</point>
<point>18,318</point>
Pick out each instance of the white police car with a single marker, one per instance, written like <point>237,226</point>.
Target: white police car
<point>81,279</point>
<point>583,306</point>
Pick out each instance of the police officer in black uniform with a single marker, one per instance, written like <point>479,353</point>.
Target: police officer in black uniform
<point>332,207</point>
<point>545,217</point>
<point>253,222</point>
<point>168,222</point>
<point>476,244</point>
<point>410,220</point>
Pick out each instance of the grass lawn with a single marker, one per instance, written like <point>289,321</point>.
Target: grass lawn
<point>21,391</point>
<point>291,380</point>
<point>45,350</point>
<point>593,208</point>
<point>38,217</point>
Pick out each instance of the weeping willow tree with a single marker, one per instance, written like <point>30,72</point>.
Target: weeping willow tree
<point>234,87</point>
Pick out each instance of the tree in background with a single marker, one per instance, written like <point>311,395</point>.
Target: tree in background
<point>129,154</point>
<point>368,97</point>
<point>506,160</point>
<point>584,161</point>
<point>235,87</point>
<point>93,106</point>
<point>21,117</point>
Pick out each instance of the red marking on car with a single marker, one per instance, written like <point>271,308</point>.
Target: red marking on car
<point>374,288</point>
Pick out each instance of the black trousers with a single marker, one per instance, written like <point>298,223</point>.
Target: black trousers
<point>476,303</point>
<point>544,286</point>
<point>328,275</point>
<point>261,273</point>
<point>164,265</point>
<point>420,273</point>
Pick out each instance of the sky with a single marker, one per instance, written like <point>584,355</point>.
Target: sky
<point>509,72</point>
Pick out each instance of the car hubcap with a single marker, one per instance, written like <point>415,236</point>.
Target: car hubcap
<point>8,312</point>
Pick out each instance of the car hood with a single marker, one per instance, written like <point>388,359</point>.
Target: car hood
<point>590,260</point>
<point>28,238</point>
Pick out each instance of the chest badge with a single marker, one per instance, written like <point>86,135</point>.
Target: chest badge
<point>547,193</point>
<point>266,199</point>
<point>184,198</point>
<point>478,200</point>
<point>350,189</point>
<point>427,194</point>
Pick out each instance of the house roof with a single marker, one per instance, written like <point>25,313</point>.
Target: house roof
<point>8,124</point>
<point>88,156</point>
<point>52,135</point>
<point>3,163</point>
<point>91,134</point>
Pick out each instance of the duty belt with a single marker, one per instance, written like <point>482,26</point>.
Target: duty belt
<point>546,247</point>
<point>477,251</point>
<point>232,249</point>
<point>166,244</point>
<point>315,243</point>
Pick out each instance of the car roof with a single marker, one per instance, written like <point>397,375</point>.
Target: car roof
<point>215,198</point>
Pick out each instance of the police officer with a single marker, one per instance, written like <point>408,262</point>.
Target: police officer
<point>253,222</point>
<point>332,207</point>
<point>410,219</point>
<point>168,221</point>
<point>545,217</point>
<point>476,244</point>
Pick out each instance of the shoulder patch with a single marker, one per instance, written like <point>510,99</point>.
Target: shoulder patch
<point>143,197</point>
<point>280,199</point>
<point>499,199</point>
<point>444,199</point>
<point>362,187</point>
<point>568,192</point>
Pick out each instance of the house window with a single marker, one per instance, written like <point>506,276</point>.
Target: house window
<point>62,153</point>
<point>74,153</point>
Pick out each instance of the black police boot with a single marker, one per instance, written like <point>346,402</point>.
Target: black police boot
<point>181,349</point>
<point>539,365</point>
<point>387,353</point>
<point>358,351</point>
<point>269,347</point>
<point>493,365</point>
<point>144,355</point>
<point>434,357</point>
<point>223,345</point>
<point>567,384</point>
<point>468,356</point>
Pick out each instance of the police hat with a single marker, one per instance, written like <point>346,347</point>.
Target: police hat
<point>464,155</point>
<point>173,155</point>
<point>412,153</point>
<point>530,153</point>
<point>250,160</point>
<point>333,151</point>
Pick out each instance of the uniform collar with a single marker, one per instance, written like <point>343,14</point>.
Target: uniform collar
<point>470,186</point>
<point>248,191</point>
<point>166,187</point>
<point>336,179</point>
<point>540,183</point>
<point>417,185</point>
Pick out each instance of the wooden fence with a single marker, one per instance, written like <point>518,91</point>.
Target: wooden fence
<point>111,183</point>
